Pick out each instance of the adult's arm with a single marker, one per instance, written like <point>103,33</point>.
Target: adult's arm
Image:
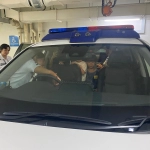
<point>82,66</point>
<point>42,70</point>
<point>82,71</point>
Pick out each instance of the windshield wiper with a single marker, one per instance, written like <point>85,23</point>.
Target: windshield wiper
<point>135,124</point>
<point>41,116</point>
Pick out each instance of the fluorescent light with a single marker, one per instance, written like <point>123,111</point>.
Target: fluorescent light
<point>112,20</point>
<point>59,20</point>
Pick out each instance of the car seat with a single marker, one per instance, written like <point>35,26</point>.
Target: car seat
<point>118,76</point>
<point>66,71</point>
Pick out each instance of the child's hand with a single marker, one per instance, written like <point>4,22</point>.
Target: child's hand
<point>99,66</point>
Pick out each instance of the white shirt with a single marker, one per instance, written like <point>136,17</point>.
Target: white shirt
<point>23,75</point>
<point>4,61</point>
<point>84,67</point>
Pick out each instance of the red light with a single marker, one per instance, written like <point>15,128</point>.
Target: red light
<point>94,28</point>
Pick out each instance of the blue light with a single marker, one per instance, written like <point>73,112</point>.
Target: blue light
<point>94,33</point>
<point>59,30</point>
<point>82,29</point>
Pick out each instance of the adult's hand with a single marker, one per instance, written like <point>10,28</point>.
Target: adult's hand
<point>58,77</point>
<point>42,70</point>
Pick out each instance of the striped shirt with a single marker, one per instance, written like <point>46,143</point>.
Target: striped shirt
<point>4,61</point>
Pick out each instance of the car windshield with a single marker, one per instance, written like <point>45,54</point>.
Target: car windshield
<point>21,47</point>
<point>100,81</point>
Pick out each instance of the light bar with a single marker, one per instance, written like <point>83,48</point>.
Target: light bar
<point>91,34</point>
<point>94,28</point>
<point>58,30</point>
<point>91,28</point>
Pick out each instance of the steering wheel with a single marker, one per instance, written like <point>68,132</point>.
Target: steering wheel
<point>46,76</point>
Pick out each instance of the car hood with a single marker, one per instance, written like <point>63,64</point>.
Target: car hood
<point>17,136</point>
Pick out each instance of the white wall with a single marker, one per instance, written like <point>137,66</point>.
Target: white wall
<point>5,31</point>
<point>146,36</point>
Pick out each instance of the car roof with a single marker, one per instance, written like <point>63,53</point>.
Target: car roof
<point>99,41</point>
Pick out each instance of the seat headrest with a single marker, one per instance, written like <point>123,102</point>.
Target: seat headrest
<point>117,58</point>
<point>91,58</point>
<point>62,57</point>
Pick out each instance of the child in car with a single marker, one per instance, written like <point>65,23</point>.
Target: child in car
<point>92,72</point>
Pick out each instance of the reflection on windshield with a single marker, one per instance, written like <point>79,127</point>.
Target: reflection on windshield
<point>96,75</point>
<point>75,72</point>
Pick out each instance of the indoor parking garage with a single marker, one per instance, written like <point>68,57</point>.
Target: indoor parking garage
<point>74,74</point>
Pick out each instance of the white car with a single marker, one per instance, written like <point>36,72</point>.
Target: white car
<point>101,101</point>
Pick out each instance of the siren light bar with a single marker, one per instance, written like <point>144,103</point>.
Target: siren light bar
<point>91,28</point>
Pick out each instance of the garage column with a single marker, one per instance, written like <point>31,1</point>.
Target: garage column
<point>40,31</point>
<point>26,33</point>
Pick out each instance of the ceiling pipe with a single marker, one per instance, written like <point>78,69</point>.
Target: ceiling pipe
<point>18,26</point>
<point>31,33</point>
<point>7,4</point>
<point>40,31</point>
<point>83,13</point>
<point>3,18</point>
<point>5,7</point>
<point>26,33</point>
<point>46,3</point>
<point>34,35</point>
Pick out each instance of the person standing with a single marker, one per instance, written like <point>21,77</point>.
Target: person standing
<point>4,58</point>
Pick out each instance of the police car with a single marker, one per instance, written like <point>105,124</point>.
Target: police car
<point>80,88</point>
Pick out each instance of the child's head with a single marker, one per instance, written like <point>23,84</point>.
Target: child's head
<point>91,62</point>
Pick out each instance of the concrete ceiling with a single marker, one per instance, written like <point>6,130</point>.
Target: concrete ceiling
<point>65,10</point>
<point>60,4</point>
